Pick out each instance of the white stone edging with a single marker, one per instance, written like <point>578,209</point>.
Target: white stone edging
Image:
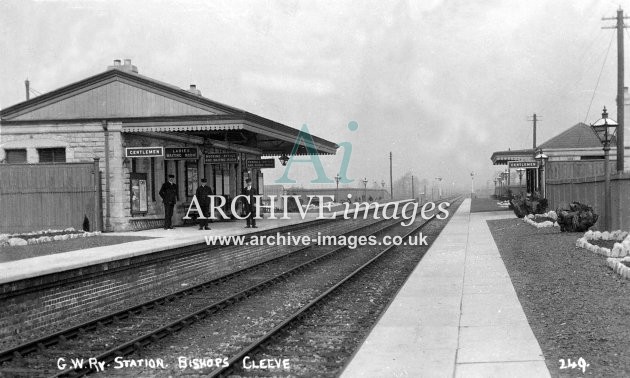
<point>616,264</point>
<point>620,249</point>
<point>505,204</point>
<point>529,219</point>
<point>11,240</point>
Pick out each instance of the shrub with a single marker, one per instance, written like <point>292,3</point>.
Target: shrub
<point>541,206</point>
<point>520,206</point>
<point>577,218</point>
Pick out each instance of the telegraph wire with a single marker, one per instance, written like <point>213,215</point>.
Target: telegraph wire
<point>599,77</point>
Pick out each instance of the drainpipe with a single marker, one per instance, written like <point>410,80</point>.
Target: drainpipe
<point>107,200</point>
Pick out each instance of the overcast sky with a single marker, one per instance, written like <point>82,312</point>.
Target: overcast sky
<point>441,84</point>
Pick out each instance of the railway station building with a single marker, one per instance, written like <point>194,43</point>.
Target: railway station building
<point>572,171</point>
<point>136,130</point>
<point>577,143</point>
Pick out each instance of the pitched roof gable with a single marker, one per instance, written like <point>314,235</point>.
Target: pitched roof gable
<point>113,94</point>
<point>579,136</point>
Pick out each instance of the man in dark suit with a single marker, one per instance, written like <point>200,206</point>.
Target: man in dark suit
<point>169,195</point>
<point>202,194</point>
<point>250,206</point>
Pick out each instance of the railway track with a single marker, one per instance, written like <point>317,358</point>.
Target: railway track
<point>240,331</point>
<point>320,338</point>
<point>136,325</point>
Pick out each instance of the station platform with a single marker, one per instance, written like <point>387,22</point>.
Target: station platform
<point>182,236</point>
<point>457,315</point>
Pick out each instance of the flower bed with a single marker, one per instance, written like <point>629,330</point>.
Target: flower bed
<point>548,219</point>
<point>43,236</point>
<point>621,247</point>
<point>621,266</point>
<point>618,257</point>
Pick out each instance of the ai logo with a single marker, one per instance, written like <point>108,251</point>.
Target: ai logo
<point>305,138</point>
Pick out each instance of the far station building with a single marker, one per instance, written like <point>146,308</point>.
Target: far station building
<point>138,130</point>
<point>577,143</point>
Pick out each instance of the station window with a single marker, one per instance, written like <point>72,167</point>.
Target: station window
<point>16,156</point>
<point>52,155</point>
<point>192,178</point>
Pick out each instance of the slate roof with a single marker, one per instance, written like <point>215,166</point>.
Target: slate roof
<point>579,136</point>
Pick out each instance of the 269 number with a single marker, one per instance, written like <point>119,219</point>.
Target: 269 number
<point>568,364</point>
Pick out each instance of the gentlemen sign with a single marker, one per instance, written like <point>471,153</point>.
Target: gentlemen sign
<point>221,157</point>
<point>137,152</point>
<point>180,153</point>
<point>523,164</point>
<point>261,163</point>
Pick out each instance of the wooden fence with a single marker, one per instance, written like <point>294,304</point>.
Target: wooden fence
<point>583,181</point>
<point>49,196</point>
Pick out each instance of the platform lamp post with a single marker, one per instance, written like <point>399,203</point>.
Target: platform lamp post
<point>472,184</point>
<point>337,179</point>
<point>520,179</point>
<point>506,184</point>
<point>364,181</point>
<point>413,192</point>
<point>542,159</point>
<point>439,187</point>
<point>605,129</point>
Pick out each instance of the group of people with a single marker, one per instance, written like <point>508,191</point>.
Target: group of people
<point>170,196</point>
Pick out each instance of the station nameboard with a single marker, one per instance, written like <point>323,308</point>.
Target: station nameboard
<point>523,164</point>
<point>137,152</point>
<point>261,163</point>
<point>180,153</point>
<point>221,157</point>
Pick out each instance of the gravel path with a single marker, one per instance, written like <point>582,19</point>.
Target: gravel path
<point>576,305</point>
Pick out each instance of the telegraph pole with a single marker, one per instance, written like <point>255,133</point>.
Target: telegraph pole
<point>391,177</point>
<point>534,144</point>
<point>620,85</point>
<point>534,120</point>
<point>413,192</point>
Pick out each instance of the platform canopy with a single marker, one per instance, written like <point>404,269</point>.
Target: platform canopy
<point>145,105</point>
<point>504,157</point>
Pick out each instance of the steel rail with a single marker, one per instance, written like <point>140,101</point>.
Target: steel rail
<point>141,342</point>
<point>65,334</point>
<point>224,371</point>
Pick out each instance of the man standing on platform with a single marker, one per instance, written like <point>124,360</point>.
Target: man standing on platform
<point>202,194</point>
<point>169,195</point>
<point>250,205</point>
